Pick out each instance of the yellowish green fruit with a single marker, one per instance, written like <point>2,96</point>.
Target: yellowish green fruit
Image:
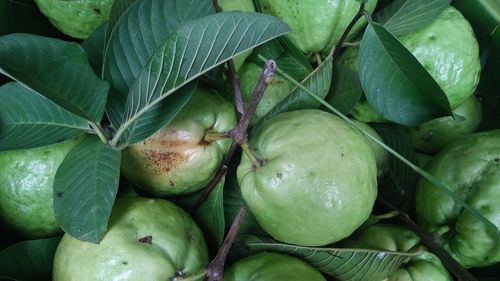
<point>26,188</point>
<point>272,267</point>
<point>76,18</point>
<point>147,239</point>
<point>318,182</point>
<point>182,158</point>
<point>381,155</point>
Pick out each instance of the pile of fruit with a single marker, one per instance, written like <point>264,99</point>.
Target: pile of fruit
<point>250,140</point>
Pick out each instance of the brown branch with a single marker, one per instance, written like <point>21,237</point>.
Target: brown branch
<point>432,243</point>
<point>216,266</point>
<point>235,83</point>
<point>338,46</point>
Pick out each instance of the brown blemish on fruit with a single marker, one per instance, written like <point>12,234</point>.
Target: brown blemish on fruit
<point>146,239</point>
<point>164,162</point>
<point>171,183</point>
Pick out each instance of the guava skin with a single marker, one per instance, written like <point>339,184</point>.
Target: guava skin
<point>271,267</point>
<point>275,92</point>
<point>448,50</point>
<point>77,18</point>
<point>147,239</point>
<point>26,188</point>
<point>177,159</point>
<point>319,180</point>
<point>432,136</point>
<point>424,267</point>
<point>470,167</point>
<point>317,25</point>
<point>381,155</point>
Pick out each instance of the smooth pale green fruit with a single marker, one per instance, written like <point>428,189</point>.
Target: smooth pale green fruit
<point>432,136</point>
<point>179,159</point>
<point>364,112</point>
<point>76,18</point>
<point>319,180</point>
<point>470,167</point>
<point>275,92</point>
<point>424,267</point>
<point>238,5</point>
<point>381,155</point>
<point>271,267</point>
<point>26,182</point>
<point>147,239</point>
<point>317,25</point>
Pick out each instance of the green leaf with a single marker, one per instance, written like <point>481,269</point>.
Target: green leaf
<point>346,89</point>
<point>85,187</point>
<point>396,85</point>
<point>29,260</point>
<point>94,47</point>
<point>345,264</point>
<point>117,10</point>
<point>141,28</point>
<point>405,16</point>
<point>29,120</point>
<point>194,49</point>
<point>56,69</point>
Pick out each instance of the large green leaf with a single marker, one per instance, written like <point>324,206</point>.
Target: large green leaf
<point>117,10</point>
<point>29,260</point>
<point>141,28</point>
<point>191,51</point>
<point>29,120</point>
<point>56,69</point>
<point>94,47</point>
<point>85,187</point>
<point>346,89</point>
<point>405,16</point>
<point>346,264</point>
<point>396,85</point>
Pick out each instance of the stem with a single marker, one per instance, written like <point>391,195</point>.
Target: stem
<point>338,46</point>
<point>216,266</point>
<point>99,131</point>
<point>433,244</point>
<point>351,44</point>
<point>318,58</point>
<point>246,149</point>
<point>235,83</point>
<point>389,215</point>
<point>215,136</point>
<point>197,276</point>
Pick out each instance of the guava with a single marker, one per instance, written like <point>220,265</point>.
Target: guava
<point>432,136</point>
<point>182,158</point>
<point>238,5</point>
<point>275,92</point>
<point>267,266</point>
<point>147,239</point>
<point>317,25</point>
<point>26,188</point>
<point>470,167</point>
<point>424,267</point>
<point>381,155</point>
<point>318,182</point>
<point>76,18</point>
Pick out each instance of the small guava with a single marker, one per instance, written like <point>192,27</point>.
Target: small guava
<point>432,136</point>
<point>271,267</point>
<point>77,18</point>
<point>275,92</point>
<point>470,167</point>
<point>26,188</point>
<point>424,267</point>
<point>182,157</point>
<point>318,182</point>
<point>317,25</point>
<point>147,239</point>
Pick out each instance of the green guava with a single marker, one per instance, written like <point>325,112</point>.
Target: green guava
<point>26,182</point>
<point>147,239</point>
<point>381,155</point>
<point>271,267</point>
<point>275,92</point>
<point>470,167</point>
<point>317,25</point>
<point>76,18</point>
<point>424,267</point>
<point>182,157</point>
<point>318,182</point>
<point>432,136</point>
<point>238,5</point>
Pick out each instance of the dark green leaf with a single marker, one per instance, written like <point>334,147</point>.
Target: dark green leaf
<point>142,27</point>
<point>29,120</point>
<point>346,89</point>
<point>119,7</point>
<point>56,69</point>
<point>94,47</point>
<point>396,85</point>
<point>345,264</point>
<point>405,16</point>
<point>194,49</point>
<point>297,55</point>
<point>85,187</point>
<point>29,260</point>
